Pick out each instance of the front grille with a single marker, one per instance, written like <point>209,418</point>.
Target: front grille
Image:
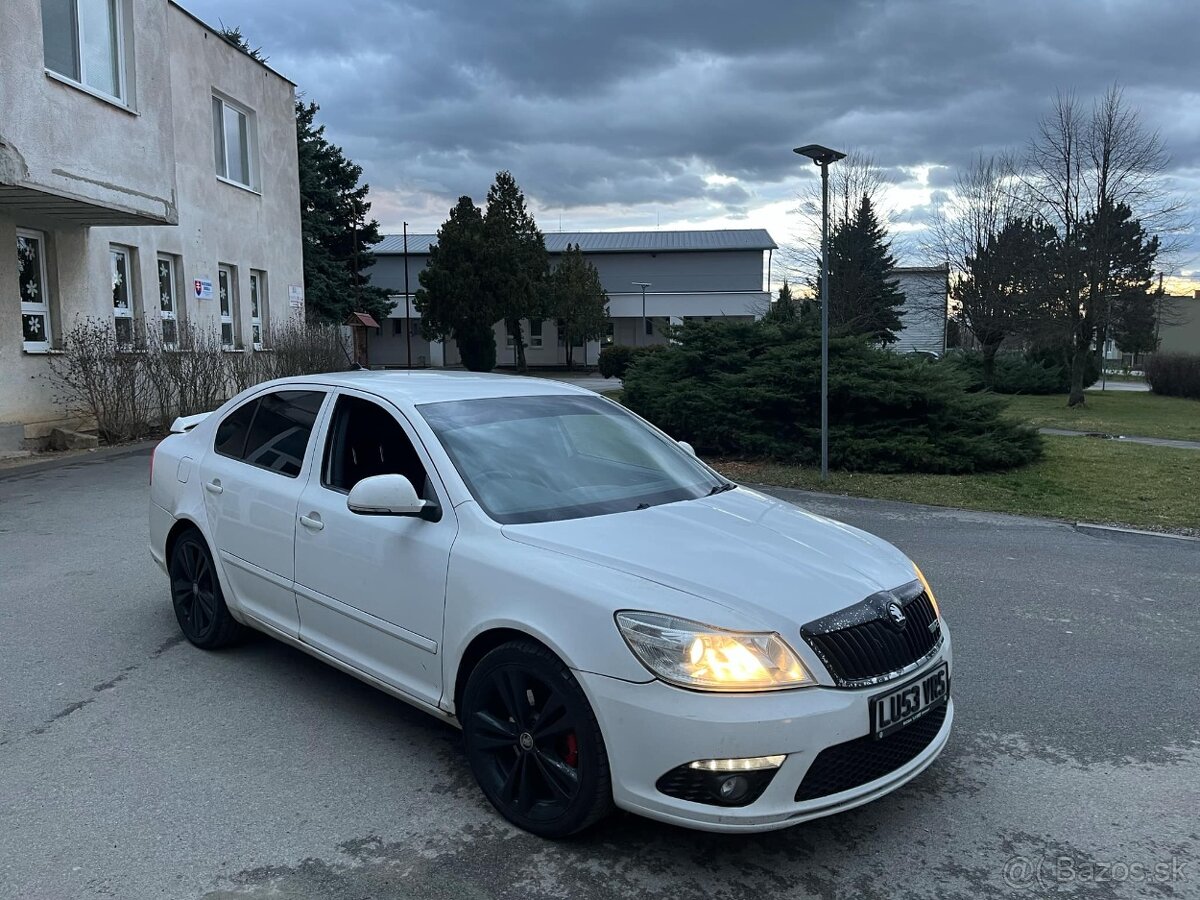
<point>861,645</point>
<point>862,760</point>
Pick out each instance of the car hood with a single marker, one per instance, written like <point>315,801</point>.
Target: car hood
<point>754,554</point>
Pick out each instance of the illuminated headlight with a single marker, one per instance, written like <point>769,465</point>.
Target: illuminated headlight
<point>928,590</point>
<point>690,654</point>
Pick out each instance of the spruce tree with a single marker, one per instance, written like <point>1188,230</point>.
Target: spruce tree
<point>336,231</point>
<point>451,299</point>
<point>517,261</point>
<point>577,300</point>
<point>862,298</point>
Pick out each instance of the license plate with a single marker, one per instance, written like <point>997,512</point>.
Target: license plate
<point>903,705</point>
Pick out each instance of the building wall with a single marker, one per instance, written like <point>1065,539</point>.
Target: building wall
<point>178,63</point>
<point>1180,328</point>
<point>70,142</point>
<point>682,284</point>
<point>923,315</point>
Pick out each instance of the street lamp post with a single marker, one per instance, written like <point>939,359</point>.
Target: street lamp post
<point>823,156</point>
<point>643,285</point>
<point>407,307</point>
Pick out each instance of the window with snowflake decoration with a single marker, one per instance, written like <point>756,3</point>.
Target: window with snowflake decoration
<point>33,286</point>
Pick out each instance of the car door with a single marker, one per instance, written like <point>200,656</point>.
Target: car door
<point>252,479</point>
<point>371,589</point>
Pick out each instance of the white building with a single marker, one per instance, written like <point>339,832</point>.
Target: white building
<point>690,274</point>
<point>926,292</point>
<point>147,169</point>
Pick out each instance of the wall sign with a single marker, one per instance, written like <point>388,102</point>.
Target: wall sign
<point>295,296</point>
<point>202,288</point>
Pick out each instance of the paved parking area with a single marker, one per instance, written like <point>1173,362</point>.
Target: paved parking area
<point>133,765</point>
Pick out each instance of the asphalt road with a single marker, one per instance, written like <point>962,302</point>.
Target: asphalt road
<point>133,765</point>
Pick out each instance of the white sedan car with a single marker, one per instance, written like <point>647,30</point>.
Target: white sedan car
<point>607,619</point>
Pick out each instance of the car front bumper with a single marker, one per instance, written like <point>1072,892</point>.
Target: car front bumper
<point>651,728</point>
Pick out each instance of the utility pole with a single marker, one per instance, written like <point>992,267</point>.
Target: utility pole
<point>407,307</point>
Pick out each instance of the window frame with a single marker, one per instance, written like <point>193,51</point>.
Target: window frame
<point>231,315</point>
<point>175,313</point>
<point>258,304</point>
<point>129,311</point>
<point>221,143</point>
<point>41,308</point>
<point>119,11</point>
<point>535,337</point>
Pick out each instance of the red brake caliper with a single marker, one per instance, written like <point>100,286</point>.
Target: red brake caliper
<point>571,757</point>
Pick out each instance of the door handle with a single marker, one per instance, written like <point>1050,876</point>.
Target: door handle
<point>312,522</point>
<point>214,486</point>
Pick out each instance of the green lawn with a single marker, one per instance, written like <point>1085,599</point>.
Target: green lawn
<point>1114,412</point>
<point>1080,479</point>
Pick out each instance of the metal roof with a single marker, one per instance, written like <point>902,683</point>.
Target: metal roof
<point>615,241</point>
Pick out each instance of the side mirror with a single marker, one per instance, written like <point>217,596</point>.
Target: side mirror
<point>388,495</point>
<point>688,447</point>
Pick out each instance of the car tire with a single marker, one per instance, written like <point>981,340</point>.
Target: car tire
<point>196,595</point>
<point>533,742</point>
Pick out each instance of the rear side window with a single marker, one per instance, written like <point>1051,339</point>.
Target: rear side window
<point>271,432</point>
<point>231,433</point>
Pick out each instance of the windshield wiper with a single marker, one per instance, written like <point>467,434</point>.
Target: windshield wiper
<point>722,488</point>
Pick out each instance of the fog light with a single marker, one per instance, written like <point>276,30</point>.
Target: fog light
<point>733,788</point>
<point>721,782</point>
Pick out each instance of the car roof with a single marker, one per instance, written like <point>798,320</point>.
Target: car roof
<point>422,386</point>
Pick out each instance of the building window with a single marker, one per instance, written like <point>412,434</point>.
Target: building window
<point>233,143</point>
<point>34,288</point>
<point>169,301</point>
<point>510,339</point>
<point>535,333</point>
<point>84,41</point>
<point>649,326</point>
<point>123,293</point>
<point>258,308</point>
<point>227,295</point>
<point>609,334</point>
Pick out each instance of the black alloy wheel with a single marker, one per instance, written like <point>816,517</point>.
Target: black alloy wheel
<point>533,742</point>
<point>196,595</point>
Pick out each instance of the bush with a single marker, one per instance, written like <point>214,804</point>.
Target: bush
<point>753,389</point>
<point>615,361</point>
<point>1039,372</point>
<point>137,391</point>
<point>477,348</point>
<point>1174,374</point>
<point>1059,356</point>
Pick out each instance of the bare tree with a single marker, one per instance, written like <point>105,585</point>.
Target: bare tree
<point>982,236</point>
<point>1081,167</point>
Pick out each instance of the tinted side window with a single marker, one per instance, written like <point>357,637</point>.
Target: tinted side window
<point>280,431</point>
<point>231,433</point>
<point>365,440</point>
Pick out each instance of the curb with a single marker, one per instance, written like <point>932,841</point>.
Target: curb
<point>36,466</point>
<point>1130,534</point>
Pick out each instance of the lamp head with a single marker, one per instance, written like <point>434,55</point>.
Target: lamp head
<point>822,156</point>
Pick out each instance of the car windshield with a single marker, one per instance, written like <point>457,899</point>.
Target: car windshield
<point>551,457</point>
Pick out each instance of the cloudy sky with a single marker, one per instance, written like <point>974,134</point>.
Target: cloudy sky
<point>682,114</point>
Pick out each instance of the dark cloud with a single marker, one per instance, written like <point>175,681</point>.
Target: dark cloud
<point>619,107</point>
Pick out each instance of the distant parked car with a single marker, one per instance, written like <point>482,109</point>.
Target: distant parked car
<point>927,355</point>
<point>609,620</point>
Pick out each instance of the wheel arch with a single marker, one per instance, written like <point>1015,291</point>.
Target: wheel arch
<point>483,644</point>
<point>181,527</point>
